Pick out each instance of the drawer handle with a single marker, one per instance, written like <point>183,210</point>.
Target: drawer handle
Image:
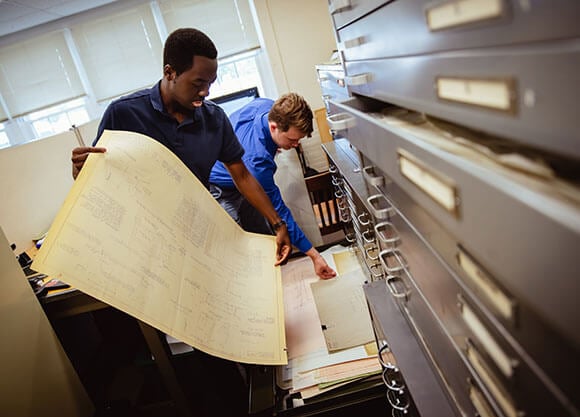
<point>350,237</point>
<point>369,251</point>
<point>393,261</point>
<point>351,43</point>
<point>391,285</point>
<point>387,233</point>
<point>392,379</point>
<point>362,217</point>
<point>379,271</point>
<point>380,207</point>
<point>398,400</point>
<point>341,121</point>
<point>385,350</point>
<point>371,178</point>
<point>359,79</point>
<point>370,239</point>
<point>337,6</point>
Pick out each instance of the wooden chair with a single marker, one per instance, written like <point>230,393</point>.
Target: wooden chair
<point>323,201</point>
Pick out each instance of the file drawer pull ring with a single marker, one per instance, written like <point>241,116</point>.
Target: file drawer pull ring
<point>340,121</point>
<point>381,208</point>
<point>387,233</point>
<point>393,256</point>
<point>370,178</point>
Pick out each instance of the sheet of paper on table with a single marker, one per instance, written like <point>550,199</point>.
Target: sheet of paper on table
<point>342,310</point>
<point>141,233</point>
<point>312,369</point>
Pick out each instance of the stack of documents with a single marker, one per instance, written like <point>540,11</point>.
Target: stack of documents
<point>328,327</point>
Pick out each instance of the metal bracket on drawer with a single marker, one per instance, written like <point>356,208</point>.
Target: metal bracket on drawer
<point>379,210</point>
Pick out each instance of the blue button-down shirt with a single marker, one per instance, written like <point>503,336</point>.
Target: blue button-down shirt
<point>251,126</point>
<point>199,141</point>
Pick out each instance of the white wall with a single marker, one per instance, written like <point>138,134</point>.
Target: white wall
<point>297,35</point>
<point>35,179</point>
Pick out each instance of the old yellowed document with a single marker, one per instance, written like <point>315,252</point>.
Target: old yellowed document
<point>346,323</point>
<point>141,233</point>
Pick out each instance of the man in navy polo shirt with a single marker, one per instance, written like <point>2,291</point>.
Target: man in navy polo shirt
<point>174,113</point>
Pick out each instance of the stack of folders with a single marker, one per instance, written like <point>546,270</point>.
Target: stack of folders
<point>329,332</point>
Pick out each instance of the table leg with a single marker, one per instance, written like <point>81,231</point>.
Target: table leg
<point>152,337</point>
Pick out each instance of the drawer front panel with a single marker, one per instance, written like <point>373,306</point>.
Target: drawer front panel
<point>527,93</point>
<point>402,28</point>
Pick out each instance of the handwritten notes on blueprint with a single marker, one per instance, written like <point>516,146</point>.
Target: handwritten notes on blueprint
<point>141,233</point>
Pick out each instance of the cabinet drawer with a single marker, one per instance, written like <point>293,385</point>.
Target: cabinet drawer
<point>343,12</point>
<point>528,93</point>
<point>332,83</point>
<point>412,27</point>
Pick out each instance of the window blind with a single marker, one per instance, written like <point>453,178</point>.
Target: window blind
<point>228,23</point>
<point>38,73</point>
<point>120,53</point>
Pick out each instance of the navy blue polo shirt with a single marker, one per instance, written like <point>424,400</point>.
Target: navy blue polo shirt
<point>199,141</point>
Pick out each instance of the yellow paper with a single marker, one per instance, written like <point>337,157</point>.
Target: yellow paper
<point>343,311</point>
<point>141,233</point>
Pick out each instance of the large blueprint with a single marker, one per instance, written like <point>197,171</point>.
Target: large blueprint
<point>141,233</point>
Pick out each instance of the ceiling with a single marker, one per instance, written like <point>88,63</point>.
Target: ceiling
<point>18,15</point>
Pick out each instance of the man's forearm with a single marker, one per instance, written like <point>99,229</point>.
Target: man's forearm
<point>257,197</point>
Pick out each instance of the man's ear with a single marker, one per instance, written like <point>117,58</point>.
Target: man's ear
<point>168,72</point>
<point>273,126</point>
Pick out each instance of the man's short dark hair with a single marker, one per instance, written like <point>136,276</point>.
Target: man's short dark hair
<point>183,44</point>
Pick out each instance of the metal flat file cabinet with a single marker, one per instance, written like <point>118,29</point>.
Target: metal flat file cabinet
<point>456,159</point>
